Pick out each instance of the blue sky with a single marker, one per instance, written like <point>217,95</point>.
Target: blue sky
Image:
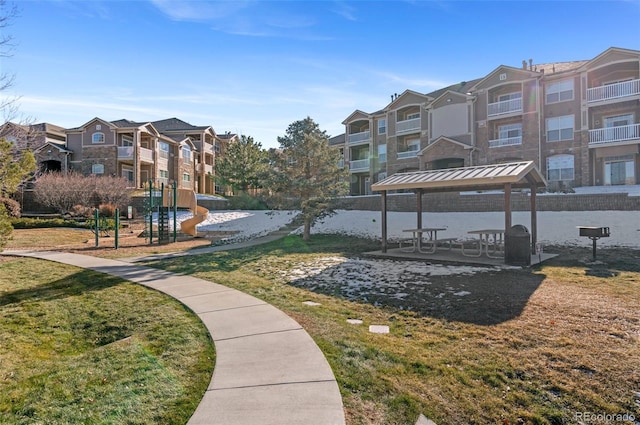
<point>254,67</point>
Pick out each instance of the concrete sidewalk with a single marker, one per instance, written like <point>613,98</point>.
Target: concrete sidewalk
<point>268,369</point>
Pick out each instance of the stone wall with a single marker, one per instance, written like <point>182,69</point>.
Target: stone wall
<point>455,202</point>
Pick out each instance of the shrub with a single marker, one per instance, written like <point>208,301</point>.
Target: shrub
<point>245,202</point>
<point>11,206</point>
<point>80,211</point>
<point>107,210</point>
<point>37,223</point>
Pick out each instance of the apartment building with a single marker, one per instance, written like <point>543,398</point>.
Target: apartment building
<point>164,151</point>
<point>579,121</point>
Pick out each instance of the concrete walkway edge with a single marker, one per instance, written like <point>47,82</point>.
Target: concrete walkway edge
<point>268,369</point>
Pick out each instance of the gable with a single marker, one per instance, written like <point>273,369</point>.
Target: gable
<point>407,98</point>
<point>612,55</point>
<point>505,75</point>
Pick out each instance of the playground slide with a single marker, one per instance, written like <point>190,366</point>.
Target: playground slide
<point>187,199</point>
<point>189,225</point>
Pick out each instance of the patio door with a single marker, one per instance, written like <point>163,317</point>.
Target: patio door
<point>619,172</point>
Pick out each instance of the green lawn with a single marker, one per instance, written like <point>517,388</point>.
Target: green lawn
<point>79,347</point>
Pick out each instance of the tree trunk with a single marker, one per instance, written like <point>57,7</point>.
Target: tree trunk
<point>306,234</point>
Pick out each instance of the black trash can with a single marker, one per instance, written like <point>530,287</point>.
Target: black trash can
<point>517,246</point>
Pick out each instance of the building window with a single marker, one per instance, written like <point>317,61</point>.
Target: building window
<point>509,131</point>
<point>560,167</point>
<point>413,116</point>
<point>97,138</point>
<point>619,170</point>
<point>164,149</point>
<point>509,96</point>
<point>164,174</point>
<point>560,91</point>
<point>186,177</point>
<point>97,169</point>
<point>560,128</point>
<point>186,153</point>
<point>382,126</point>
<point>127,173</point>
<point>382,153</point>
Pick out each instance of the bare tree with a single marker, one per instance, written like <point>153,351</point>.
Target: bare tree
<point>64,192</point>
<point>8,105</point>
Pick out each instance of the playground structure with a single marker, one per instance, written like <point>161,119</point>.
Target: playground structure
<point>186,198</point>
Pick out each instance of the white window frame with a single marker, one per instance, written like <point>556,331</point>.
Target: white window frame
<point>382,126</point>
<point>611,121</point>
<point>164,149</point>
<point>413,143</point>
<point>164,174</point>
<point>556,163</point>
<point>127,173</point>
<point>186,152</point>
<point>186,177</point>
<point>97,168</point>
<point>504,131</point>
<point>561,126</point>
<point>97,137</point>
<point>509,96</point>
<point>412,116</point>
<point>382,153</point>
<point>559,91</point>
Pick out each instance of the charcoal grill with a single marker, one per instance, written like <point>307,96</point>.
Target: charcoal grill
<point>594,233</point>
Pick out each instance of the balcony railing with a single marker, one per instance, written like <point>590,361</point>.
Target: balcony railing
<point>407,154</point>
<point>622,133</point>
<point>408,125</point>
<point>505,107</point>
<point>146,155</point>
<point>507,141</point>
<point>359,165</point>
<point>204,168</point>
<point>359,137</point>
<point>125,152</point>
<point>613,91</point>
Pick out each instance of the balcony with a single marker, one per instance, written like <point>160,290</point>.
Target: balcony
<point>504,107</point>
<point>408,125</point>
<point>126,153</point>
<point>613,91</point>
<point>508,141</point>
<point>408,154</point>
<point>359,165</point>
<point>618,135</point>
<point>361,137</point>
<point>146,155</point>
<point>204,168</point>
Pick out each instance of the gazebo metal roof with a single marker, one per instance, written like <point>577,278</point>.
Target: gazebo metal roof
<point>484,177</point>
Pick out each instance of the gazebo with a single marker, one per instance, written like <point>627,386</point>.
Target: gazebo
<point>505,176</point>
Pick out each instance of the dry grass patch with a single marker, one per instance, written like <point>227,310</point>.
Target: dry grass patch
<point>533,346</point>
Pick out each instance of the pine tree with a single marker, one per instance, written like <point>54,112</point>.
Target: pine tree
<point>306,172</point>
<point>242,165</point>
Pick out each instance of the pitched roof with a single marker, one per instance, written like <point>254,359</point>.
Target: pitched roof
<point>483,177</point>
<point>175,124</point>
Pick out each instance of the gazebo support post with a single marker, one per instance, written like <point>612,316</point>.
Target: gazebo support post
<point>534,219</point>
<point>419,208</point>
<point>384,220</point>
<point>507,207</point>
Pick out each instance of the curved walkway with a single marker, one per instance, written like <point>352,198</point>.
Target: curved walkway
<point>268,369</point>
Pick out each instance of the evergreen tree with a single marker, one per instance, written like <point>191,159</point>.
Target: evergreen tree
<point>306,172</point>
<point>242,165</point>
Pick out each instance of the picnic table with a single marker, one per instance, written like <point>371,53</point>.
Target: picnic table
<point>487,238</point>
<point>425,237</point>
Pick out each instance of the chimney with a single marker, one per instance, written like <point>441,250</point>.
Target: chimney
<point>530,64</point>
<point>524,64</point>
